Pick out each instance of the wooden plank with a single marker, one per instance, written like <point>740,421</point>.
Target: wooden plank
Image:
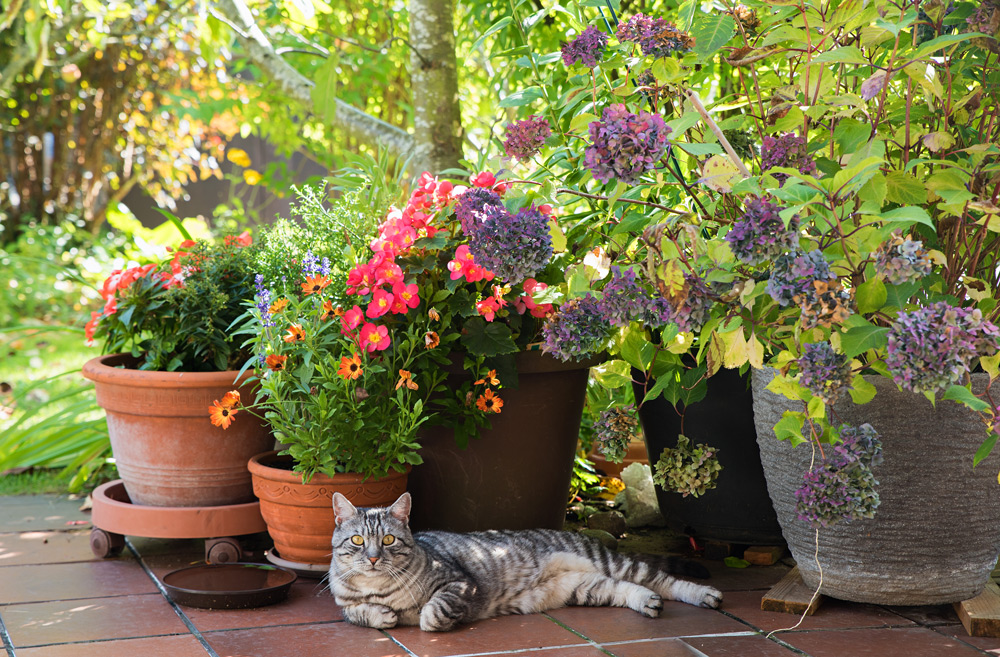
<point>981,614</point>
<point>791,596</point>
<point>764,555</point>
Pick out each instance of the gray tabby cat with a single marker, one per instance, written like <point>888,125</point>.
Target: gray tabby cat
<point>383,575</point>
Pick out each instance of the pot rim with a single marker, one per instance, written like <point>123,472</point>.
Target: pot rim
<point>258,466</point>
<point>104,369</point>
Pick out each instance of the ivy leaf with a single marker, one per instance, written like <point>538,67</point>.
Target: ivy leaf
<point>487,338</point>
<point>711,33</point>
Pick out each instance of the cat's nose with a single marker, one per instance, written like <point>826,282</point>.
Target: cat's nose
<point>373,560</point>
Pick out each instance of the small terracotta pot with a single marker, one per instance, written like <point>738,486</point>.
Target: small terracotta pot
<point>299,516</point>
<point>636,453</point>
<point>167,451</point>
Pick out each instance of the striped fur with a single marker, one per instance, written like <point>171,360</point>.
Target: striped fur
<point>438,580</point>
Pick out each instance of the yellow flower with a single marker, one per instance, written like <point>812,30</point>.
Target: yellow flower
<point>251,177</point>
<point>238,156</point>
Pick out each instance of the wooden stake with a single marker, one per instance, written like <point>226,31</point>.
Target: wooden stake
<point>981,614</point>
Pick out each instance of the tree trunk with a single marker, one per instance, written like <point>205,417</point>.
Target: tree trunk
<point>437,121</point>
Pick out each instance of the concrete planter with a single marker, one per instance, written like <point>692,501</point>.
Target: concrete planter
<point>936,535</point>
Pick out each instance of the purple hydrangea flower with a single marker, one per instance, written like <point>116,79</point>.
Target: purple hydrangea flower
<point>902,260</point>
<point>794,273</point>
<point>824,372</point>
<point>842,487</point>
<point>625,145</point>
<point>263,300</point>
<point>613,430</point>
<point>655,36</point>
<point>760,234</point>
<point>512,246</point>
<point>471,204</point>
<point>931,348</point>
<point>525,138</point>
<point>576,330</point>
<point>688,312</point>
<point>788,150</point>
<point>588,48</point>
<point>623,299</point>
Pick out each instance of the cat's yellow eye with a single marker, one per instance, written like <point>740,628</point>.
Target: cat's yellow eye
<point>358,540</point>
<point>388,539</point>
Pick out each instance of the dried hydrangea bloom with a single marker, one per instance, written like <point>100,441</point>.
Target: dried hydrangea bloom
<point>826,304</point>
<point>689,309</point>
<point>824,372</point>
<point>986,19</point>
<point>512,246</point>
<point>793,275</point>
<point>625,145</point>
<point>760,234</point>
<point>902,260</point>
<point>526,137</point>
<point>931,348</point>
<point>842,487</point>
<point>655,36</point>
<point>471,204</point>
<point>613,430</point>
<point>688,469</point>
<point>787,150</point>
<point>577,329</point>
<point>588,48</point>
<point>623,299</point>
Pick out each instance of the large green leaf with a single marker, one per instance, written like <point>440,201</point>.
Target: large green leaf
<point>862,335</point>
<point>711,33</point>
<point>963,395</point>
<point>904,188</point>
<point>523,97</point>
<point>487,338</point>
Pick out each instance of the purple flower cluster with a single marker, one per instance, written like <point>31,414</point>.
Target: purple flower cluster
<point>689,311</point>
<point>623,299</point>
<point>588,48</point>
<point>470,205</point>
<point>512,246</point>
<point>312,266</point>
<point>525,138</point>
<point>613,429</point>
<point>760,234</point>
<point>794,273</point>
<point>625,145</point>
<point>824,372</point>
<point>788,150</point>
<point>577,329</point>
<point>263,300</point>
<point>902,260</point>
<point>931,348</point>
<point>843,486</point>
<point>655,36</point>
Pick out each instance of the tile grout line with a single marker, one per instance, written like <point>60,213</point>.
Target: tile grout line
<point>767,635</point>
<point>173,605</point>
<point>8,643</point>
<point>579,634</point>
<point>398,643</point>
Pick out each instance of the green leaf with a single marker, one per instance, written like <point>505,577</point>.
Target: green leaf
<point>862,392</point>
<point>658,387</point>
<point>985,449</point>
<point>324,91</point>
<point>736,562</point>
<point>789,427</point>
<point>871,296</point>
<point>862,335</point>
<point>904,188</point>
<point>612,374</point>
<point>845,55</point>
<point>937,44</point>
<point>910,214</point>
<point>487,338</point>
<point>710,33</point>
<point>963,395</point>
<point>523,97</point>
<point>496,27</point>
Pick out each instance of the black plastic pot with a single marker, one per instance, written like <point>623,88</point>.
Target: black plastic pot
<point>738,510</point>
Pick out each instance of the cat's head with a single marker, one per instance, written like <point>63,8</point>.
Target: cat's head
<point>371,541</point>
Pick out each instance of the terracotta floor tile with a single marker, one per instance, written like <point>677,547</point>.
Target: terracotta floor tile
<point>38,547</point>
<point>504,633</point>
<point>569,651</point>
<point>320,640</point>
<point>40,512</point>
<point>651,648</point>
<point>989,644</point>
<point>608,624</point>
<point>164,646</point>
<point>70,581</point>
<point>831,614</point>
<point>753,578</point>
<point>892,642</point>
<point>307,602</point>
<point>94,619</point>
<point>738,646</point>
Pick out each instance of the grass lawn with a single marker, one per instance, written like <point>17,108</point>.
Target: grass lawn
<point>34,482</point>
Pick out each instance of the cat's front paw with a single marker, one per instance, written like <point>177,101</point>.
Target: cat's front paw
<point>711,598</point>
<point>433,618</point>
<point>651,606</point>
<point>378,617</point>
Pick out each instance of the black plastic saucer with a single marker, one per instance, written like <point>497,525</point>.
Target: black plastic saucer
<point>228,585</point>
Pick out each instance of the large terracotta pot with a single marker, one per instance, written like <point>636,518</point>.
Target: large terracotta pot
<point>934,538</point>
<point>167,451</point>
<point>738,509</point>
<point>516,474</point>
<point>299,516</point>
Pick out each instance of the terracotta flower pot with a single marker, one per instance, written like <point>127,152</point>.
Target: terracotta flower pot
<point>299,516</point>
<point>167,451</point>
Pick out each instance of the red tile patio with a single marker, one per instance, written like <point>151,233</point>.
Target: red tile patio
<point>58,600</point>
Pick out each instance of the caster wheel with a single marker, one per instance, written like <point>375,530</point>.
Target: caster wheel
<point>222,550</point>
<point>105,544</point>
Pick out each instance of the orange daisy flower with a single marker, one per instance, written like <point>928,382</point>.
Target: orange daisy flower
<point>278,306</point>
<point>328,311</point>
<point>490,378</point>
<point>315,284</point>
<point>431,339</point>
<point>350,367</point>
<point>231,399</point>
<point>406,379</point>
<point>221,416</point>
<point>276,362</point>
<point>489,403</point>
<point>295,333</point>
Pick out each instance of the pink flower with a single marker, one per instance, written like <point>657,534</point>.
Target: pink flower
<point>406,294</point>
<point>488,308</point>
<point>526,302</point>
<point>360,280</point>
<point>374,338</point>
<point>381,304</point>
<point>388,273</point>
<point>351,319</point>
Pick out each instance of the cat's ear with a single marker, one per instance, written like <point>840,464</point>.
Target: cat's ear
<point>400,509</point>
<point>342,508</point>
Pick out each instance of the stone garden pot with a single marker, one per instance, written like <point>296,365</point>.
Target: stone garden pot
<point>936,534</point>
